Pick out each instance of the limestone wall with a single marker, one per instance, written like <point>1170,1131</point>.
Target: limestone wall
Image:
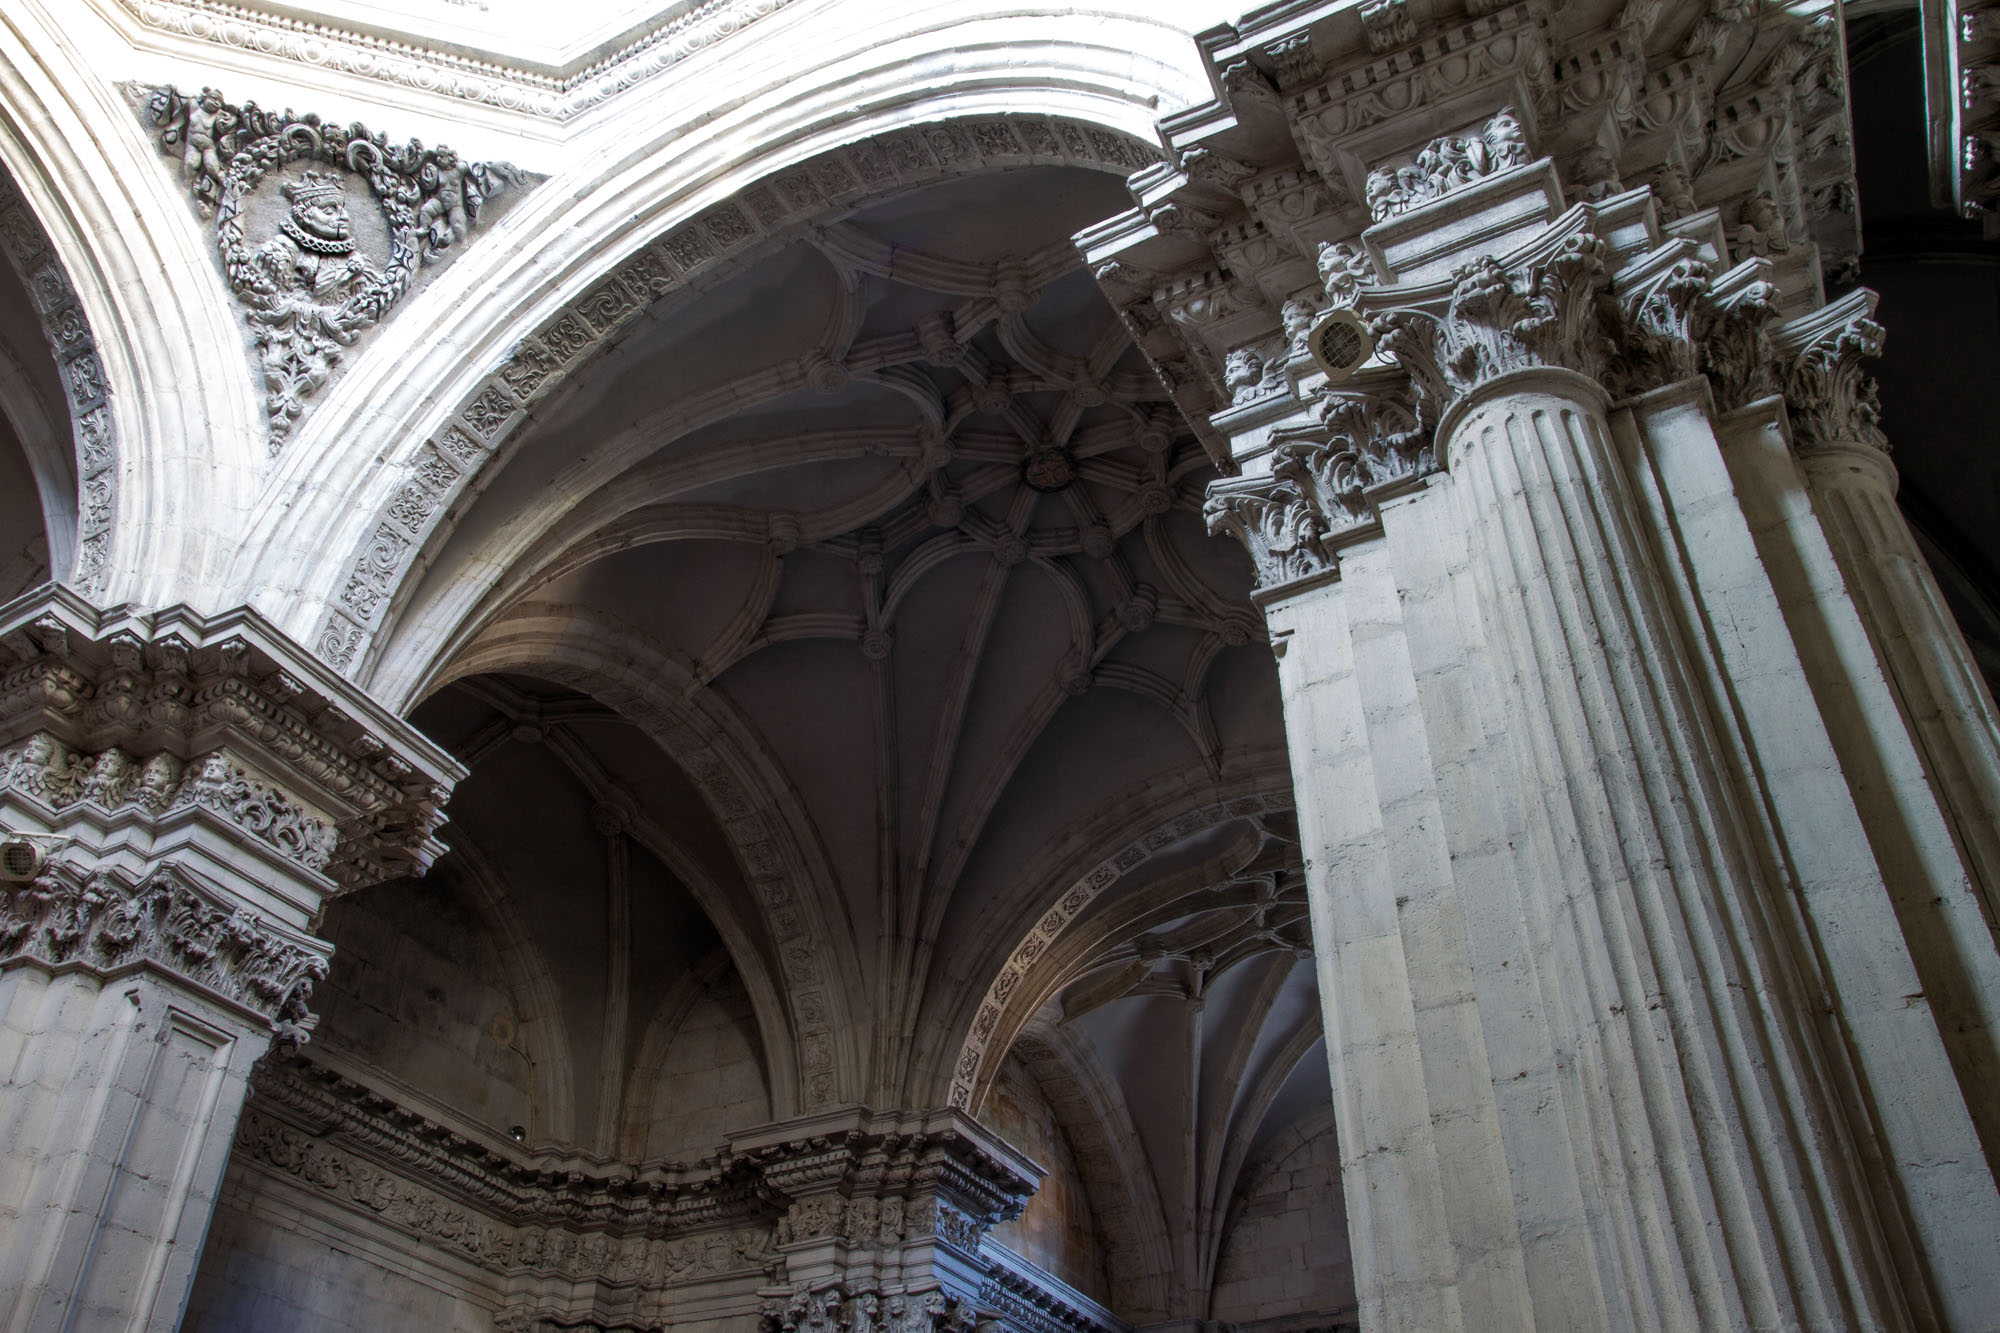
<point>1056,1231</point>
<point>1285,1252</point>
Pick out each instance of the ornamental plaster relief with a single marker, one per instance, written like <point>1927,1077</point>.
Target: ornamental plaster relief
<point>454,463</point>
<point>311,277</point>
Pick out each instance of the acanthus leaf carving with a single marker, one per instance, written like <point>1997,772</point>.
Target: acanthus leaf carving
<point>71,916</point>
<point>1832,400</point>
<point>1538,314</point>
<point>308,290</point>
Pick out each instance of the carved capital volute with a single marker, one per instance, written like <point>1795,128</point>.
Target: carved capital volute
<point>1655,312</point>
<point>1367,440</point>
<point>1497,319</point>
<point>1831,400</point>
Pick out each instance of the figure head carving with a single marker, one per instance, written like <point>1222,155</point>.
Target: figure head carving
<point>1243,372</point>
<point>319,211</point>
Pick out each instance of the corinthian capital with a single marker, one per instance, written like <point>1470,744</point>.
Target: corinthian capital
<point>1832,401</point>
<point>1498,319</point>
<point>1324,483</point>
<point>1278,524</point>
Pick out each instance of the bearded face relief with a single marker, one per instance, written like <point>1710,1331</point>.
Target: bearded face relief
<point>321,230</point>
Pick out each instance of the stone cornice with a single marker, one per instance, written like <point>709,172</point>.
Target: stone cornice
<point>159,711</point>
<point>853,1183</point>
<point>551,94</point>
<point>75,918</point>
<point>1414,144</point>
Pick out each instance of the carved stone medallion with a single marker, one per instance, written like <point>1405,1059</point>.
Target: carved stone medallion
<point>321,229</point>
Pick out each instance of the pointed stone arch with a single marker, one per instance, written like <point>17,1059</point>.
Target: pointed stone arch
<point>807,1001</point>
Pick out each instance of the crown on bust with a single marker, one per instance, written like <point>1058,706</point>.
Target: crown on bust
<point>312,187</point>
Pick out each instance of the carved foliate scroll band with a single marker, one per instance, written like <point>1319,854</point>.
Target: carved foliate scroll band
<point>72,917</point>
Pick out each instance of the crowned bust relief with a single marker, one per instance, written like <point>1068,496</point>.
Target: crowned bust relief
<point>311,288</point>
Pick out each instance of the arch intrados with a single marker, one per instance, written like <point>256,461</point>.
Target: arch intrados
<point>761,817</point>
<point>1075,870</point>
<point>477,882</point>
<point>489,382</point>
<point>46,449</point>
<point>1093,1113</point>
<point>168,449</point>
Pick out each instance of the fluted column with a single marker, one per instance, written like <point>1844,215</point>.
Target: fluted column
<point>1943,699</point>
<point>1611,979</point>
<point>195,789</point>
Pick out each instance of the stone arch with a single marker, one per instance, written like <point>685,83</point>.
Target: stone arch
<point>166,427</point>
<point>1116,1177</point>
<point>534,988</point>
<point>648,1075</point>
<point>1136,825</point>
<point>435,470</point>
<point>806,1012</point>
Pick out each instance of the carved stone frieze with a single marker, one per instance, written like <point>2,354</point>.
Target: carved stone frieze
<point>44,767</point>
<point>1448,163</point>
<point>123,714</point>
<point>309,278</point>
<point>74,917</point>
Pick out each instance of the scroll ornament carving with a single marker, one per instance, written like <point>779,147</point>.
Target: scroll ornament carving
<point>68,916</point>
<point>1448,163</point>
<point>1322,483</point>
<point>1833,403</point>
<point>1277,523</point>
<point>1500,319</point>
<point>308,291</point>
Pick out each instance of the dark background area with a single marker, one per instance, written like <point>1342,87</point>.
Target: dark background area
<point>1939,280</point>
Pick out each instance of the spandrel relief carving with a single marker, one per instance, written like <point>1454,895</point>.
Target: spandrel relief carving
<point>321,229</point>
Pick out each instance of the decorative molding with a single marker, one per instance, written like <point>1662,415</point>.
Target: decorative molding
<point>74,917</point>
<point>309,290</point>
<point>87,396</point>
<point>44,767</point>
<point>124,711</point>
<point>555,97</point>
<point>977,1052</point>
